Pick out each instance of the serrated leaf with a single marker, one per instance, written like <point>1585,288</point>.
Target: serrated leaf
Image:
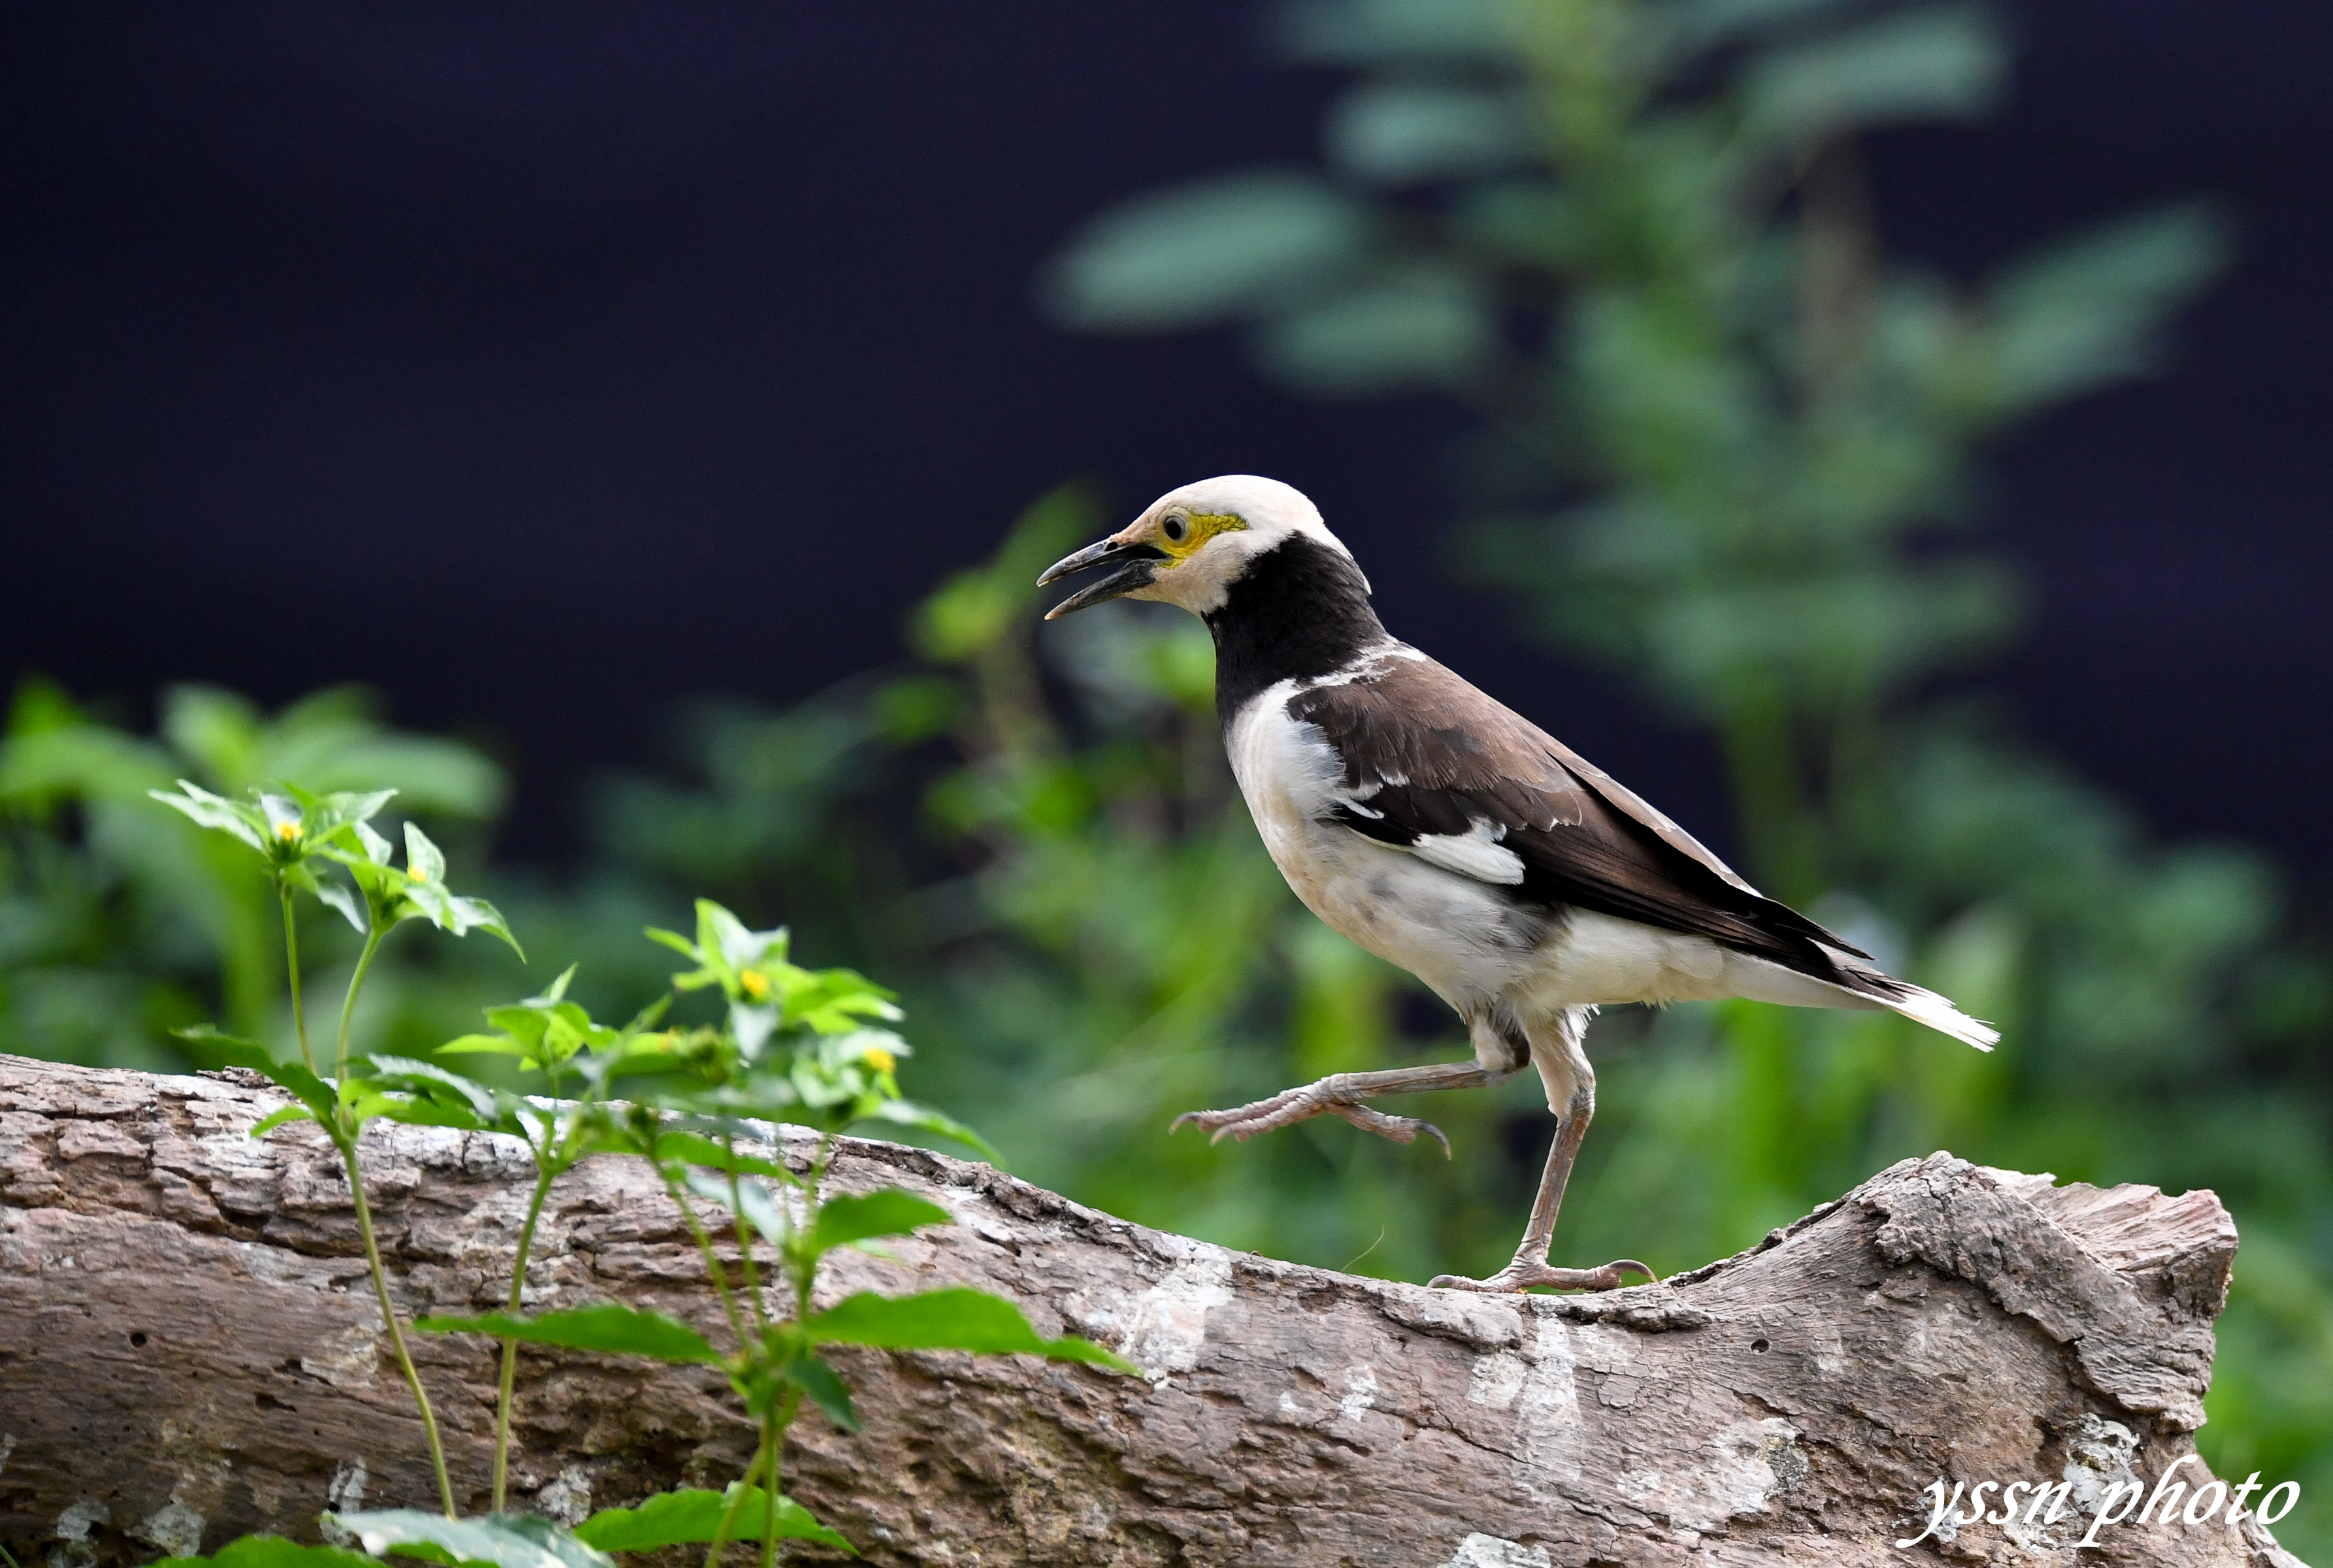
<point>888,1212</point>
<point>505,1539</point>
<point>691,1516</point>
<point>609,1328</point>
<point>211,1048</point>
<point>959,1318</point>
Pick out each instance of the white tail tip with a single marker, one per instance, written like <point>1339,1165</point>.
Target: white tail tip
<point>1924,1007</point>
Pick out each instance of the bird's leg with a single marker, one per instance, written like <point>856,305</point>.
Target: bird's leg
<point>1342,1094</point>
<point>1531,1266</point>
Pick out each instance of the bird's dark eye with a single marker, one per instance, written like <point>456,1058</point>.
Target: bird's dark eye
<point>1177,528</point>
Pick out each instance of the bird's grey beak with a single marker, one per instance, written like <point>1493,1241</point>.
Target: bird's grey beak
<point>1137,566</point>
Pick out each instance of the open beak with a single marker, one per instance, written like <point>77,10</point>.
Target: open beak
<point>1137,566</point>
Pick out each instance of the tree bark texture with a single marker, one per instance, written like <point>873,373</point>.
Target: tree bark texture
<point>189,1351</point>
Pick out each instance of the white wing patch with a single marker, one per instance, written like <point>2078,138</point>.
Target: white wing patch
<point>1478,854</point>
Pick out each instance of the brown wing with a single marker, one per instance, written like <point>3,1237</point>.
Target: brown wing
<point>1425,754</point>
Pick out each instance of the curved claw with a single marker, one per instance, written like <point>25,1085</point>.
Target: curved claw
<point>1294,1105</point>
<point>1401,1129</point>
<point>1520,1277</point>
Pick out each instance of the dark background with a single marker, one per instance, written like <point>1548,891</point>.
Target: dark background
<point>543,365</point>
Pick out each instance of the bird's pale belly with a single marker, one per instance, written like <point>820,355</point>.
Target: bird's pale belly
<point>1472,942</point>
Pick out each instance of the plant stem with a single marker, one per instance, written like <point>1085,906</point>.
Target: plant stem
<point>546,1173</point>
<point>772,1435</point>
<point>737,1504</point>
<point>751,1276</point>
<point>349,1002</point>
<point>348,1147</point>
<point>291,965</point>
<point>806,1277</point>
<point>712,1263</point>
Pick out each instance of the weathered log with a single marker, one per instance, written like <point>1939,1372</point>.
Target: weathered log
<point>188,1351</point>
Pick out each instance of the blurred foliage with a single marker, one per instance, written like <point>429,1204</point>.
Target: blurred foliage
<point>1729,447</point>
<point>120,921</point>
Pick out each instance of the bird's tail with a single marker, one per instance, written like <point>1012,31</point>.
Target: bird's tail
<point>1919,1005</point>
<point>1925,1007</point>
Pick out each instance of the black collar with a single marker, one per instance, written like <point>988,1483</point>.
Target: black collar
<point>1300,612</point>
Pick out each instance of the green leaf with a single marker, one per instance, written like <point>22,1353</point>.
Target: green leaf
<point>762,1211</point>
<point>722,936</point>
<point>487,1045</point>
<point>335,896</point>
<point>274,1552</point>
<point>449,911</point>
<point>1201,252</point>
<point>324,818</point>
<point>692,1515</point>
<point>1427,325</point>
<point>556,993</point>
<point>279,1117</point>
<point>435,1082</point>
<point>907,1114</point>
<point>423,859</point>
<point>210,1049</point>
<point>2089,311</point>
<point>955,1319</point>
<point>209,810</point>
<point>809,1373</point>
<point>674,940</point>
<point>376,848</point>
<point>888,1212</point>
<point>505,1539</point>
<point>610,1328</point>
<point>366,1104</point>
<point>1403,132</point>
<point>1942,63</point>
<point>696,1149</point>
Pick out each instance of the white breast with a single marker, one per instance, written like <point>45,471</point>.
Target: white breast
<point>1459,935</point>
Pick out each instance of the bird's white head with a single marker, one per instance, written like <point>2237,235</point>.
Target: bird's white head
<point>1191,544</point>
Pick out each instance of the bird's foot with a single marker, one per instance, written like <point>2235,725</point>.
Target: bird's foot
<point>1293,1105</point>
<point>1520,1275</point>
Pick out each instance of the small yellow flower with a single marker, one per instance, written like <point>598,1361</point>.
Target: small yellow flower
<point>417,873</point>
<point>881,1060</point>
<point>756,983</point>
<point>287,831</point>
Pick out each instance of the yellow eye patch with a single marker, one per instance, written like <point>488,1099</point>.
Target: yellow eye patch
<point>1199,528</point>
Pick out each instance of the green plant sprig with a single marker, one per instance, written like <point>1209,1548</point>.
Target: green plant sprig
<point>291,830</point>
<point>793,1045</point>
